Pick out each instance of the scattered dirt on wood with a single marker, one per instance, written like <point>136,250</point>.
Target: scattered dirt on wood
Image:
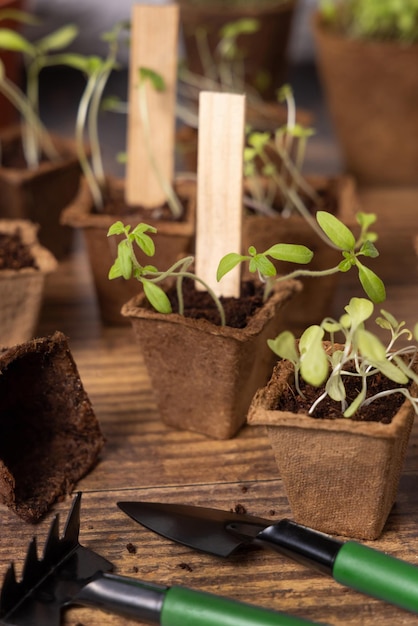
<point>186,567</point>
<point>240,509</point>
<point>131,548</point>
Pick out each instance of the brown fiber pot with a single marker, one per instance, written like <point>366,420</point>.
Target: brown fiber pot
<point>204,375</point>
<point>340,476</point>
<point>172,240</point>
<point>22,290</point>
<point>314,302</point>
<point>49,434</point>
<point>40,194</point>
<point>371,89</point>
<point>266,50</point>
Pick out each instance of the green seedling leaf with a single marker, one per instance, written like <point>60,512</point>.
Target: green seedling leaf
<point>293,253</point>
<point>117,228</point>
<point>156,297</point>
<point>261,264</point>
<point>227,263</point>
<point>144,241</point>
<point>11,40</point>
<point>284,92</point>
<point>391,371</point>
<point>371,283</point>
<point>125,260</point>
<point>258,141</point>
<point>358,310</point>
<point>284,345</point>
<point>249,153</point>
<point>300,132</point>
<point>115,271</point>
<point>335,388</point>
<point>355,405</point>
<point>365,219</point>
<point>19,16</point>
<point>370,346</point>
<point>61,38</point>
<point>336,231</point>
<point>416,331</point>
<point>77,61</point>
<point>314,366</point>
<point>369,249</point>
<point>387,321</point>
<point>243,26</point>
<point>346,264</point>
<point>156,80</point>
<point>331,327</point>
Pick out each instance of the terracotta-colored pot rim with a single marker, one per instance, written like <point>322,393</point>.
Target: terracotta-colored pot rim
<point>44,259</point>
<point>260,413</point>
<point>282,291</point>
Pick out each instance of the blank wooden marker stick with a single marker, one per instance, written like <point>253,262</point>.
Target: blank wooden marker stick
<point>219,187</point>
<point>154,40</point>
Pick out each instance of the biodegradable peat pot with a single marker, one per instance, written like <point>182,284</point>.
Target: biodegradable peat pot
<point>204,375</point>
<point>341,476</point>
<point>173,239</point>
<point>49,434</point>
<point>312,304</point>
<point>22,289</point>
<point>371,89</point>
<point>39,194</point>
<point>265,50</point>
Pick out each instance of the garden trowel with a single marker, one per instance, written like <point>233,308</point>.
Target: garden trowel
<point>221,533</point>
<point>70,574</point>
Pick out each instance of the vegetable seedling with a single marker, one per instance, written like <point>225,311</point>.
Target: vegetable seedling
<point>127,266</point>
<point>37,55</point>
<point>362,356</point>
<point>339,235</point>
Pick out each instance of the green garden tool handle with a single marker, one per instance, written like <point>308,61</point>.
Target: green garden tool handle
<point>175,606</point>
<point>186,607</point>
<point>349,563</point>
<point>377,574</point>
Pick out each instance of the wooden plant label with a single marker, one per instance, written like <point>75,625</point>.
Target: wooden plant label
<point>219,187</point>
<point>154,39</point>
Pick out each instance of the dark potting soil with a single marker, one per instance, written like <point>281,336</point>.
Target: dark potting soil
<point>200,305</point>
<point>114,204</point>
<point>380,410</point>
<point>14,254</point>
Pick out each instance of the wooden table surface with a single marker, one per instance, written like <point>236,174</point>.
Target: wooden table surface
<point>145,460</point>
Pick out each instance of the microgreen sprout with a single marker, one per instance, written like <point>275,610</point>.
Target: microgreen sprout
<point>37,55</point>
<point>362,356</point>
<point>339,235</point>
<point>147,75</point>
<point>127,266</point>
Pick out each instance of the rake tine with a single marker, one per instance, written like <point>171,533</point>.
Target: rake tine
<point>72,526</point>
<point>52,542</point>
<point>9,591</point>
<point>32,566</point>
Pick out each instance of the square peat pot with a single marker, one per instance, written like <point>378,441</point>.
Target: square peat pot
<point>204,375</point>
<point>22,289</point>
<point>341,476</point>
<point>40,194</point>
<point>49,435</point>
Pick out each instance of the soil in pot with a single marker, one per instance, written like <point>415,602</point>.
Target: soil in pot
<point>14,254</point>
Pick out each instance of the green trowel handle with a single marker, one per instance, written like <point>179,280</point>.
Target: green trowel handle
<point>377,575</point>
<point>186,607</point>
